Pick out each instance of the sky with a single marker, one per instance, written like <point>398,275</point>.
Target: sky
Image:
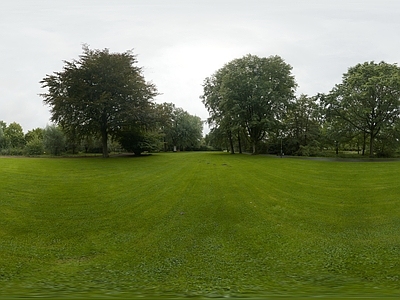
<point>179,43</point>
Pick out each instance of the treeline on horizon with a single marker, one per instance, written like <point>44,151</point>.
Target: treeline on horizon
<point>101,103</point>
<point>177,130</point>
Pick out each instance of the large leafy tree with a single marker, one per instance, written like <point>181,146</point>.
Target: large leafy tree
<point>98,94</point>
<point>222,118</point>
<point>368,99</point>
<point>251,94</point>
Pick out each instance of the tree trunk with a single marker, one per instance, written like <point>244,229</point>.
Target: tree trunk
<point>364,143</point>
<point>371,144</point>
<point>231,142</point>
<point>254,148</point>
<point>239,143</point>
<point>104,138</point>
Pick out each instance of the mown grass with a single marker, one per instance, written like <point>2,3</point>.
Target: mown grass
<point>198,224</point>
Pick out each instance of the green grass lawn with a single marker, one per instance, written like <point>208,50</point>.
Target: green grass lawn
<point>198,224</point>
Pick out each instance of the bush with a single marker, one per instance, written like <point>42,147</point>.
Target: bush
<point>137,141</point>
<point>54,140</point>
<point>12,151</point>
<point>312,149</point>
<point>34,147</point>
<point>386,153</point>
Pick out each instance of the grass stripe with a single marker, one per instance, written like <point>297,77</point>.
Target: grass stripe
<point>198,224</point>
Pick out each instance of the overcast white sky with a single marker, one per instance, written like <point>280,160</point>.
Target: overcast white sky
<point>181,42</point>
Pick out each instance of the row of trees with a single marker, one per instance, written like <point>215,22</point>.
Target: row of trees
<point>104,95</point>
<point>251,101</point>
<point>37,141</point>
<point>173,130</point>
<point>252,106</point>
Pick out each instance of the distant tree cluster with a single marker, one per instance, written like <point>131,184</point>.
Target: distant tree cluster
<point>37,141</point>
<point>168,129</point>
<point>252,107</point>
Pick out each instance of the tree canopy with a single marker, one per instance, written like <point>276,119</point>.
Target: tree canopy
<point>98,94</point>
<point>368,99</point>
<point>14,135</point>
<point>249,94</point>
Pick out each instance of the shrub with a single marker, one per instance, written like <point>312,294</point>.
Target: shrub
<point>54,140</point>
<point>312,149</point>
<point>34,147</point>
<point>12,151</point>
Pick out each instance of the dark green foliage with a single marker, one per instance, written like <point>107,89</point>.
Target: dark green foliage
<point>139,141</point>
<point>180,130</point>
<point>309,150</point>
<point>34,146</point>
<point>53,140</point>
<point>34,142</point>
<point>302,127</point>
<point>98,94</point>
<point>3,142</point>
<point>13,136</point>
<point>254,96</point>
<point>249,94</point>
<point>216,138</point>
<point>186,130</point>
<point>12,151</point>
<point>36,133</point>
<point>368,99</point>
